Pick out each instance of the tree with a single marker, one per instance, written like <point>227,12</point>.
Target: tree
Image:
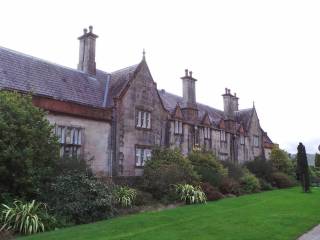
<point>28,147</point>
<point>281,162</point>
<point>317,160</point>
<point>303,168</point>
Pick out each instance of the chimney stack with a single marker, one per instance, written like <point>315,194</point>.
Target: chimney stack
<point>87,52</point>
<point>230,104</point>
<point>189,89</point>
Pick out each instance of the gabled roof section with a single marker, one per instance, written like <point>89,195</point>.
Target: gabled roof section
<point>119,81</point>
<point>170,102</point>
<point>25,73</point>
<point>244,117</point>
<point>177,112</point>
<point>206,119</point>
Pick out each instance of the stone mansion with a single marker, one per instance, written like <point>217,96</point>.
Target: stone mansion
<point>118,117</point>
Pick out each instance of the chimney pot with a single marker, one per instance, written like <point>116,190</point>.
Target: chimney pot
<point>190,73</point>
<point>85,31</point>
<point>235,94</point>
<point>90,28</point>
<point>186,72</point>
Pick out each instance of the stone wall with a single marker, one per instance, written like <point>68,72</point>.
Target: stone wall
<point>96,140</point>
<point>141,95</point>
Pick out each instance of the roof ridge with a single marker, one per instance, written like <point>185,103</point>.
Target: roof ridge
<point>125,68</point>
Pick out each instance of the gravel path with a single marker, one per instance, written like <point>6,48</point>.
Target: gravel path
<point>314,234</point>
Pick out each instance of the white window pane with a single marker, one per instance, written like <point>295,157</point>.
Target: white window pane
<point>80,137</point>
<point>138,154</point>
<point>139,119</point>
<point>63,134</point>
<point>148,120</point>
<point>180,127</point>
<point>142,157</point>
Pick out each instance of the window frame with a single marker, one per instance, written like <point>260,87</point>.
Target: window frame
<point>178,127</point>
<point>256,141</point>
<point>74,141</point>
<point>143,119</point>
<point>242,139</point>
<point>224,138</point>
<point>144,153</point>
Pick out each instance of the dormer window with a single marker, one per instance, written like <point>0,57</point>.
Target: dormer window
<point>143,119</point>
<point>207,133</point>
<point>178,127</point>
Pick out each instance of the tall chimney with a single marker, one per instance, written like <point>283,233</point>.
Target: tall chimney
<point>87,52</point>
<point>230,104</point>
<point>189,89</point>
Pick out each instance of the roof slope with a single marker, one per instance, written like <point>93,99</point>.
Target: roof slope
<point>28,74</point>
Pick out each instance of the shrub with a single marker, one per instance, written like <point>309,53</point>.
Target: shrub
<point>234,171</point>
<point>261,168</point>
<point>26,218</point>
<point>28,147</point>
<point>79,198</point>
<point>265,186</point>
<point>124,196</point>
<point>230,186</point>
<point>249,183</point>
<point>211,192</point>
<point>208,167</point>
<point>167,168</point>
<point>314,176</point>
<point>281,162</point>
<point>317,160</point>
<point>143,198</point>
<point>190,194</point>
<point>281,180</point>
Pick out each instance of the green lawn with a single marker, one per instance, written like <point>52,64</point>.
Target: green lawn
<point>279,214</point>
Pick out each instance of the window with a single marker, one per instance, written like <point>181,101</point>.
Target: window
<point>256,141</point>
<point>142,155</point>
<point>70,139</point>
<point>143,119</point>
<point>241,139</point>
<point>207,133</point>
<point>177,127</point>
<point>223,136</point>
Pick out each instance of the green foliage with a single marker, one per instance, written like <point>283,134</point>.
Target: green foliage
<point>249,183</point>
<point>190,194</point>
<point>281,180</point>
<point>314,175</point>
<point>265,186</point>
<point>28,147</point>
<point>79,198</point>
<point>124,196</point>
<point>261,168</point>
<point>207,167</point>
<point>211,192</point>
<point>235,171</point>
<point>281,162</point>
<point>317,160</point>
<point>26,218</point>
<point>166,168</point>
<point>303,168</point>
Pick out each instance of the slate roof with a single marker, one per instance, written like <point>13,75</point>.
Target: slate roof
<point>29,74</point>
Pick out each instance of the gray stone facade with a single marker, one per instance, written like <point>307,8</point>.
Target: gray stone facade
<point>122,115</point>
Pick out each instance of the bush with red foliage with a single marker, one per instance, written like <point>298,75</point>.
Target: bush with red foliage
<point>230,186</point>
<point>211,192</point>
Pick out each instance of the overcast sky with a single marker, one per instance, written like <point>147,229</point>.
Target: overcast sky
<point>265,51</point>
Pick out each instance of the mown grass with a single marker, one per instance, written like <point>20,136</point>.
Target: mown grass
<point>280,214</point>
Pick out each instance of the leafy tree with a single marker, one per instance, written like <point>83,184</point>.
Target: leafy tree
<point>208,167</point>
<point>28,147</point>
<point>303,168</point>
<point>317,160</point>
<point>281,162</point>
<point>261,168</point>
<point>167,168</point>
